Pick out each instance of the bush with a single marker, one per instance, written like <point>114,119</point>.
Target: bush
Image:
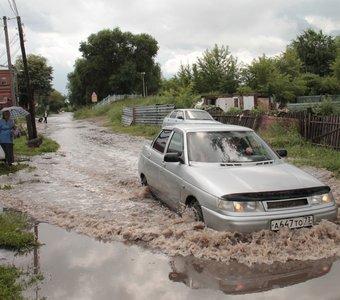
<point>325,108</point>
<point>283,135</point>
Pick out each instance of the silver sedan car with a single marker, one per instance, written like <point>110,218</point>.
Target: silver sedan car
<point>188,115</point>
<point>232,179</point>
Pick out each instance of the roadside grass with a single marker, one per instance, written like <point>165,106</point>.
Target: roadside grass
<point>14,233</point>
<point>5,169</point>
<point>315,156</point>
<point>10,288</point>
<point>301,152</point>
<point>47,145</point>
<point>15,236</point>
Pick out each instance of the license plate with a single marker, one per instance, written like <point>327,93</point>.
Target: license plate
<point>292,223</point>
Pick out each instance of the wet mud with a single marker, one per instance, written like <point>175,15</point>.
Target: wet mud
<point>91,186</point>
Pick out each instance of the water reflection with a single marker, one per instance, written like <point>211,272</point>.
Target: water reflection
<point>78,267</point>
<point>235,278</point>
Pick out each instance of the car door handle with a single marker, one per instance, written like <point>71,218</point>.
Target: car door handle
<point>148,154</point>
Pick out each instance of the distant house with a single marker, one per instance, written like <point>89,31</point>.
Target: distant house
<point>5,89</point>
<point>242,102</point>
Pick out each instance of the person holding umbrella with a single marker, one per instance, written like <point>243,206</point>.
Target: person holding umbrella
<point>6,136</point>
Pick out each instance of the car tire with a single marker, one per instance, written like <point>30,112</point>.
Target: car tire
<point>196,207</point>
<point>143,180</point>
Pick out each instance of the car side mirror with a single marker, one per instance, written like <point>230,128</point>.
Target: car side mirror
<point>173,157</point>
<point>282,152</point>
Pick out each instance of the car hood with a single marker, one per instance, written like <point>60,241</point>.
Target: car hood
<point>223,180</point>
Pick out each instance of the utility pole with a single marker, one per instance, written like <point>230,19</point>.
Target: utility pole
<point>10,67</point>
<point>33,134</point>
<point>143,75</point>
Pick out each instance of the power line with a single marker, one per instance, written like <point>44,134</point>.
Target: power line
<point>10,4</point>
<point>15,8</point>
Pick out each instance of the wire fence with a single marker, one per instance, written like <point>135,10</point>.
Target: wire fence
<point>115,98</point>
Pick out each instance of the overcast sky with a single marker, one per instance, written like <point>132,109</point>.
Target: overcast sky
<point>184,29</point>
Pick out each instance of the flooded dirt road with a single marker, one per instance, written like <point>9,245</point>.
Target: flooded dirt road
<point>91,186</point>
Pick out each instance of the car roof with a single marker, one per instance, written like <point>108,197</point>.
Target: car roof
<point>189,127</point>
<point>188,109</point>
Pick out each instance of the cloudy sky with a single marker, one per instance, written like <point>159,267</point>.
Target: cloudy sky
<point>184,29</point>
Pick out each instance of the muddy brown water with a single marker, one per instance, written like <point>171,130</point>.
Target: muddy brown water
<point>90,186</point>
<point>78,267</point>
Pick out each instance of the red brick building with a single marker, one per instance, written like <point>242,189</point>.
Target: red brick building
<point>5,89</point>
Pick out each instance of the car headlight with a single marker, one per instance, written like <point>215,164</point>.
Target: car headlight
<point>237,206</point>
<point>321,199</point>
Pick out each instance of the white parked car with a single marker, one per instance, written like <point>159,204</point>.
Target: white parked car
<point>232,179</point>
<point>189,115</point>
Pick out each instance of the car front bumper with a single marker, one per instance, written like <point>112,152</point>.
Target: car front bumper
<point>251,223</point>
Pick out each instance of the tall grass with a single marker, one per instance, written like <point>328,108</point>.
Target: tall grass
<point>301,152</point>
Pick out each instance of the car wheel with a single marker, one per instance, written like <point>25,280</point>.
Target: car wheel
<point>196,207</point>
<point>143,180</point>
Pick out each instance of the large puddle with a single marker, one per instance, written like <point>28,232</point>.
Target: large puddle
<point>78,267</point>
<point>91,186</point>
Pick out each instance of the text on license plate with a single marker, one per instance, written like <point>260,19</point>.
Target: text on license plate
<point>292,223</point>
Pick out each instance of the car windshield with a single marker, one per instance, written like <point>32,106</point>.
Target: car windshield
<point>198,115</point>
<point>227,147</point>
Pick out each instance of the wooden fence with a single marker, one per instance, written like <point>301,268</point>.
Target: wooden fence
<point>323,130</point>
<point>250,121</point>
<point>318,130</point>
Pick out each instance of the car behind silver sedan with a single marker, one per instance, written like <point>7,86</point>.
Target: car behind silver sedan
<point>232,179</point>
<point>188,115</point>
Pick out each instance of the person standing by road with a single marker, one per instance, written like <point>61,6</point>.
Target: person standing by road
<point>6,136</point>
<point>45,116</point>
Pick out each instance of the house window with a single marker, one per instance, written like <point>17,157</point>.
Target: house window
<point>3,81</point>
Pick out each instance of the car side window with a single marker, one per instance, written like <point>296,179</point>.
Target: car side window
<point>180,115</point>
<point>176,143</point>
<point>173,115</point>
<point>161,140</point>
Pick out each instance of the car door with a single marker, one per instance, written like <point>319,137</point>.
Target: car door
<point>154,162</point>
<point>171,172</point>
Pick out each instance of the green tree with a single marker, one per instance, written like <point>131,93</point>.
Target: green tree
<point>216,71</point>
<point>112,63</point>
<point>55,101</point>
<point>260,74</point>
<point>184,75</point>
<point>316,50</point>
<point>289,63</point>
<point>79,86</point>
<point>275,77</point>
<point>40,74</point>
